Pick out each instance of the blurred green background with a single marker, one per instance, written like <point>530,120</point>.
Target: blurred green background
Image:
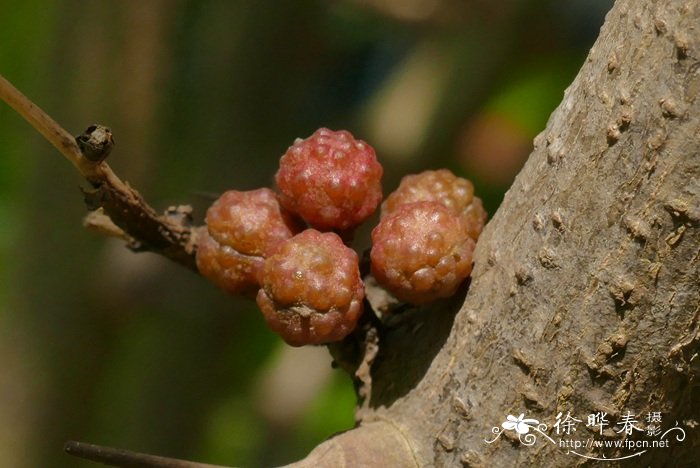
<point>105,346</point>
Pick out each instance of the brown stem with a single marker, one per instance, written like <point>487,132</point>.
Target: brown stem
<point>52,131</point>
<point>169,234</point>
<point>125,458</point>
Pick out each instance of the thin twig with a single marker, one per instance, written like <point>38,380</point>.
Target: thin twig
<point>169,235</point>
<point>126,458</point>
<point>52,131</point>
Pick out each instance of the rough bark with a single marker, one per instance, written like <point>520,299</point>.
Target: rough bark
<point>584,296</point>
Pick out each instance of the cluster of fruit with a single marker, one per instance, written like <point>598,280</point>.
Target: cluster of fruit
<point>287,248</point>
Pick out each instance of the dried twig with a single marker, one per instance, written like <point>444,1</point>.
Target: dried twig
<point>126,458</point>
<point>116,210</point>
<point>102,224</point>
<point>168,234</point>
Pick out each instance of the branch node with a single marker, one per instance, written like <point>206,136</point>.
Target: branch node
<point>96,142</point>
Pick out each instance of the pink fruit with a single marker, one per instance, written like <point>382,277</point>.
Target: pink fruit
<point>330,179</point>
<point>242,227</point>
<point>421,252</point>
<point>311,289</point>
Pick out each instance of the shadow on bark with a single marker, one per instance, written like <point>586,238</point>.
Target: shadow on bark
<point>406,351</point>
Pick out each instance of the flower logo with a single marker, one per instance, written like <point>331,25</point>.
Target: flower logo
<point>519,424</point>
<point>522,426</point>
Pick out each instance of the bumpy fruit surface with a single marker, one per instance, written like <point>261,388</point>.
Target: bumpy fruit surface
<point>455,193</point>
<point>421,252</point>
<point>242,228</point>
<point>332,180</point>
<point>311,289</point>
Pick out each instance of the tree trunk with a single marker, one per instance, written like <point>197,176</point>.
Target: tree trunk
<point>584,297</point>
